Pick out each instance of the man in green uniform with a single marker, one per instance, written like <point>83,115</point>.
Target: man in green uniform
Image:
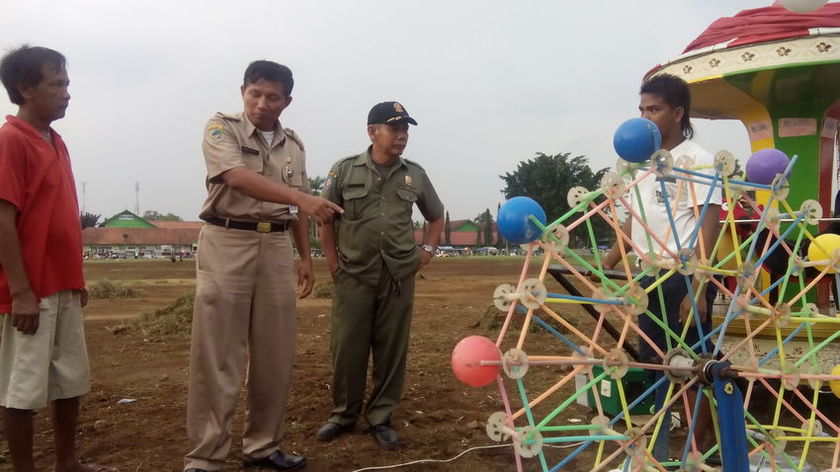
<point>373,257</point>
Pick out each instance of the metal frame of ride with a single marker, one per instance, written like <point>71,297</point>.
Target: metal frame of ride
<point>620,441</point>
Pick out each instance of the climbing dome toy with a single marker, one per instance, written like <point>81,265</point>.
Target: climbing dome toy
<point>767,404</point>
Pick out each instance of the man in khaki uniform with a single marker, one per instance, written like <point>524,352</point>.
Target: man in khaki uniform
<point>245,292</point>
<point>372,255</point>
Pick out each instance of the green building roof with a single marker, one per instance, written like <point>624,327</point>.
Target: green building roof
<point>126,219</point>
<point>467,225</point>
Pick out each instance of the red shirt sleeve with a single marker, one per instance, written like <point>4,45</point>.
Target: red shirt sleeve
<point>12,171</point>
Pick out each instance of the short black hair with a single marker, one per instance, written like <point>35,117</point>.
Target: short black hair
<point>675,92</point>
<point>270,71</point>
<point>24,67</point>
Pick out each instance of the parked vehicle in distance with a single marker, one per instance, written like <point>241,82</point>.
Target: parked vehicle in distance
<point>486,251</point>
<point>446,251</point>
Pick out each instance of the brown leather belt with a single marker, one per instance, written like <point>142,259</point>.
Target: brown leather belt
<point>258,226</point>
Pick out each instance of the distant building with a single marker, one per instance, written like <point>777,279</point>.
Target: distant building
<point>126,219</point>
<point>463,236</point>
<point>126,235</point>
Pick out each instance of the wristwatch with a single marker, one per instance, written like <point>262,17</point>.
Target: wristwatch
<point>429,248</point>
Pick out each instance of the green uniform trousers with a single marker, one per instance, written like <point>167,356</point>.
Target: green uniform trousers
<point>369,320</point>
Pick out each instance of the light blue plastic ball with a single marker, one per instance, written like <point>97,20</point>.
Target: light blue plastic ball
<point>636,139</point>
<point>514,223</point>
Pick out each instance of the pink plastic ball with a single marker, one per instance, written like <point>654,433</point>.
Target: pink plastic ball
<point>467,357</point>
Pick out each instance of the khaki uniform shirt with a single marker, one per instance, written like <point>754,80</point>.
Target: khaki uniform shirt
<point>376,228</point>
<point>231,140</point>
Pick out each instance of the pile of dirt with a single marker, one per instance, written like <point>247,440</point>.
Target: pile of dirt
<point>107,289</point>
<point>323,290</point>
<point>174,320</point>
<point>493,319</point>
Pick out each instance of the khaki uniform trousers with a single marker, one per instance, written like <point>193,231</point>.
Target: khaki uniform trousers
<point>244,308</point>
<point>369,320</point>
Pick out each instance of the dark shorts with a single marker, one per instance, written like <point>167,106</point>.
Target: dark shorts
<point>673,290</point>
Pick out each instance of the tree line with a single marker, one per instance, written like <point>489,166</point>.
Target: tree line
<point>546,178</point>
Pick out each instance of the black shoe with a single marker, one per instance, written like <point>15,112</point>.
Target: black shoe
<point>330,431</point>
<point>277,460</point>
<point>385,436</point>
<point>196,470</point>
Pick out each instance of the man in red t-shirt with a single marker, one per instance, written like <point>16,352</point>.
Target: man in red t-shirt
<point>43,358</point>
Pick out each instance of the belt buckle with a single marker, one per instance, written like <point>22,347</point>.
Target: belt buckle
<point>264,227</point>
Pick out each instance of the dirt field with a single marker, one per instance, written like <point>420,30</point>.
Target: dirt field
<point>438,418</point>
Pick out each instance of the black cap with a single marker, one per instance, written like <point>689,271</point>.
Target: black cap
<point>389,112</point>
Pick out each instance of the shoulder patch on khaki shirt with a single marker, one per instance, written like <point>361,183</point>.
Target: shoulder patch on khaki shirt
<point>214,132</point>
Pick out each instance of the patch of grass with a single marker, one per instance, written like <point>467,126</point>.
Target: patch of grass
<point>493,319</point>
<point>107,289</point>
<point>173,320</point>
<point>323,290</point>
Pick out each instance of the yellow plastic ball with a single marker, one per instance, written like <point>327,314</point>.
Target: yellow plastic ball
<point>823,247</point>
<point>835,384</point>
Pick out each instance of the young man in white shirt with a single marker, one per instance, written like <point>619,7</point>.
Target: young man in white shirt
<point>666,101</point>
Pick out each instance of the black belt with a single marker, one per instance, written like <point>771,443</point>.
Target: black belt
<point>258,226</point>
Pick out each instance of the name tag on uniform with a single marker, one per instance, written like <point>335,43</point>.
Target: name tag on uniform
<point>248,150</point>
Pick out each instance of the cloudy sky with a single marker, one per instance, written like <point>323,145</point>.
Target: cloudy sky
<point>490,82</point>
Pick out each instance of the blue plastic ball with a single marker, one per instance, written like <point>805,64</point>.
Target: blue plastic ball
<point>514,223</point>
<point>636,139</point>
